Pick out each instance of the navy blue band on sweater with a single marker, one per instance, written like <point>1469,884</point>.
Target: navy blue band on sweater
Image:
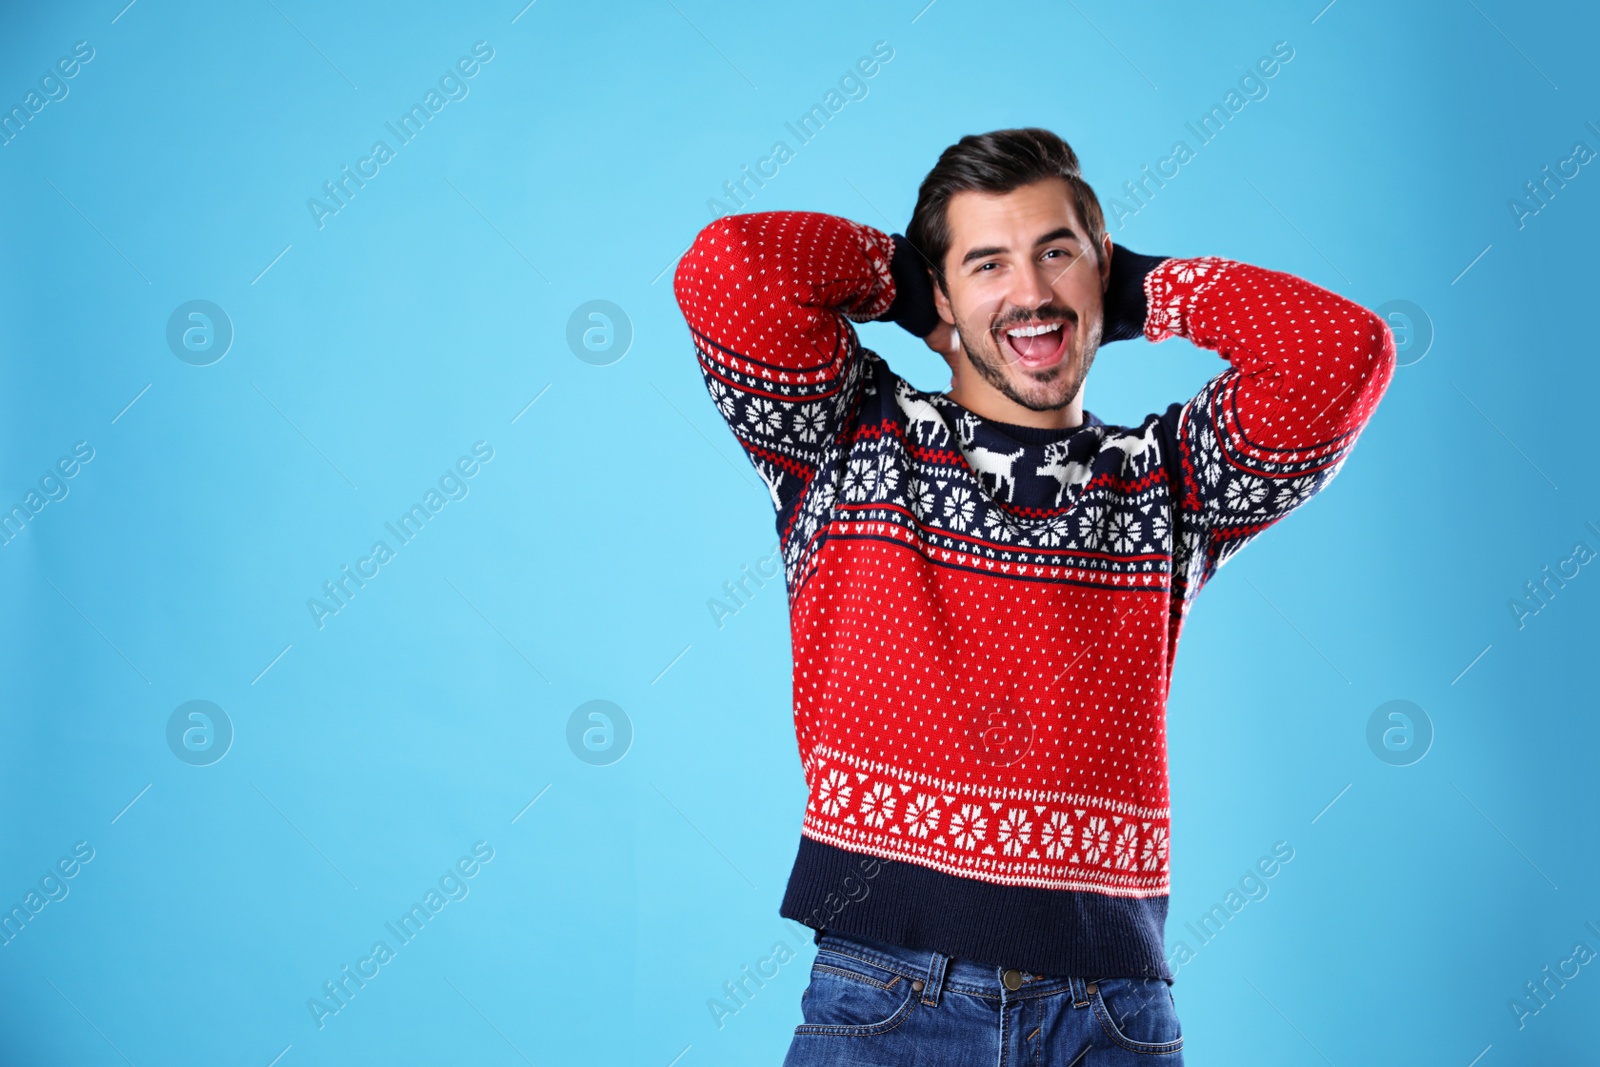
<point>1058,932</point>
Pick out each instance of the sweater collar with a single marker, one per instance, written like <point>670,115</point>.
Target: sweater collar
<point>1024,435</point>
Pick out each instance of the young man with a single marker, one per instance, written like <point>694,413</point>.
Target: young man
<point>986,585</point>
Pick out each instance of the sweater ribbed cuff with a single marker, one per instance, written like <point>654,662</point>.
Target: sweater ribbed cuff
<point>913,307</point>
<point>1125,303</point>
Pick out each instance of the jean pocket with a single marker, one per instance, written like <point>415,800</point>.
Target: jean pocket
<point>1138,1014</point>
<point>850,996</point>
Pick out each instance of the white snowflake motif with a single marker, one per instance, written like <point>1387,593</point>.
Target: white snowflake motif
<point>888,475</point>
<point>919,495</point>
<point>1208,442</point>
<point>1015,831</point>
<point>877,806</point>
<point>764,417</point>
<point>1155,849</point>
<point>834,793</point>
<point>1096,839</point>
<point>1126,848</point>
<point>1057,531</point>
<point>1190,271</point>
<point>1246,492</point>
<point>808,423</point>
<point>1158,530</point>
<point>1056,837</point>
<point>859,478</point>
<point>825,495</point>
<point>1124,532</point>
<point>1296,492</point>
<point>727,402</point>
<point>967,826</point>
<point>998,525</point>
<point>922,815</point>
<point>1089,526</point>
<point>958,507</point>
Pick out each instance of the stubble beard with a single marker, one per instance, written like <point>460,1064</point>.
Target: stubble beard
<point>1051,390</point>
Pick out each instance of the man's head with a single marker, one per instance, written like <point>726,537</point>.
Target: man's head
<point>1015,239</point>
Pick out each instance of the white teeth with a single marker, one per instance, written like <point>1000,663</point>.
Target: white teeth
<point>1034,331</point>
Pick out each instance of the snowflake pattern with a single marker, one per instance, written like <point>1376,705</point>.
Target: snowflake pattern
<point>764,417</point>
<point>1155,849</point>
<point>1014,831</point>
<point>809,422</point>
<point>1123,534</point>
<point>1096,839</point>
<point>1056,837</point>
<point>834,793</point>
<point>877,804</point>
<point>1125,849</point>
<point>958,507</point>
<point>967,826</point>
<point>922,816</point>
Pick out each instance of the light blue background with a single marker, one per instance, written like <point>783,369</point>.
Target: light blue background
<point>426,315</point>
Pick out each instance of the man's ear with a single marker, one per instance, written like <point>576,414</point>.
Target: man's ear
<point>1105,262</point>
<point>941,301</point>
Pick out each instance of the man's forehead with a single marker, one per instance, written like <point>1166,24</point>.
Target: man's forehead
<point>979,216</point>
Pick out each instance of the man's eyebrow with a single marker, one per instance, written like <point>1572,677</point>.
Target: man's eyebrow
<point>1058,233</point>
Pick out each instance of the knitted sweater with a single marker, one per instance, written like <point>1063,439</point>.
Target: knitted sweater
<point>984,616</point>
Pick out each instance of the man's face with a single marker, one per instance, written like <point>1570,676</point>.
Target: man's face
<point>1021,261</point>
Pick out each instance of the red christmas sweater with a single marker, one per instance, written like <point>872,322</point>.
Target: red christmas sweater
<point>984,616</point>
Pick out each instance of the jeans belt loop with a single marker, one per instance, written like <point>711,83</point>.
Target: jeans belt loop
<point>1080,992</point>
<point>934,983</point>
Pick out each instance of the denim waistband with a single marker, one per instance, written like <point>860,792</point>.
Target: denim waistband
<point>939,972</point>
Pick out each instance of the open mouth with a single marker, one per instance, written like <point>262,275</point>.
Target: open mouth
<point>1038,345</point>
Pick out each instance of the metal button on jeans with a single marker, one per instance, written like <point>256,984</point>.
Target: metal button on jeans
<point>1012,979</point>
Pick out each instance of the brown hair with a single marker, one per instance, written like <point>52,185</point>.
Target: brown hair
<point>996,162</point>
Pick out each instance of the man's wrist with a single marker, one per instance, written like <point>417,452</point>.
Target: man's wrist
<point>913,308</point>
<point>1126,306</point>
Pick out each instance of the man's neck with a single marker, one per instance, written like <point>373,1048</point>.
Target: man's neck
<point>984,400</point>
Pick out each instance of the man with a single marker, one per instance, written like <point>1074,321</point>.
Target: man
<point>987,585</point>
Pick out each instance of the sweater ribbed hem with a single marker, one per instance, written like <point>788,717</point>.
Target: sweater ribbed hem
<point>1047,932</point>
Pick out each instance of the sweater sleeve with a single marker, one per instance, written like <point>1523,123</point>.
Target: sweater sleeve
<point>769,298</point>
<point>1306,369</point>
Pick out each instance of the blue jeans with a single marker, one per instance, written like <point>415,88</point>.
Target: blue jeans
<point>880,1004</point>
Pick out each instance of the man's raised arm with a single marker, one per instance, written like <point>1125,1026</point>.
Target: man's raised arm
<point>769,297</point>
<point>1306,369</point>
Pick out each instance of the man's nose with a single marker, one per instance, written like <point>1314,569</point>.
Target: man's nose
<point>1033,286</point>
